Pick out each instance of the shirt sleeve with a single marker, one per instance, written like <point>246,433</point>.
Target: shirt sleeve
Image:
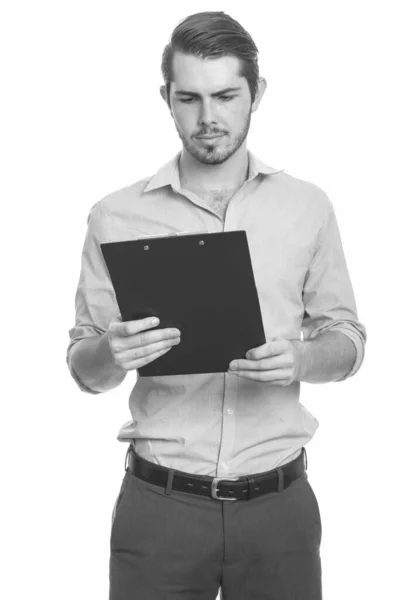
<point>328,298</point>
<point>95,302</point>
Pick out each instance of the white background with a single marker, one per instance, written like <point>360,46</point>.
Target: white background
<point>82,117</point>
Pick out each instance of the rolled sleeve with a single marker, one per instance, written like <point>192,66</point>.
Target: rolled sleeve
<point>328,298</point>
<point>95,302</point>
<point>75,377</point>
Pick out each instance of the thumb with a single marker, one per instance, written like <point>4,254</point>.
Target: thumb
<point>116,319</point>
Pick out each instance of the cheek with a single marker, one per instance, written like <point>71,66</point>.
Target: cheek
<point>234,116</point>
<point>184,124</point>
<point>184,119</point>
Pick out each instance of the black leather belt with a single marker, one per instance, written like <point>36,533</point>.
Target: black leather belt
<point>218,488</point>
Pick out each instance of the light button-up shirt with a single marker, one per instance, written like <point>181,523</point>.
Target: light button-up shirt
<point>215,423</point>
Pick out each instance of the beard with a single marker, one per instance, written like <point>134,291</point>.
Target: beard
<point>213,153</point>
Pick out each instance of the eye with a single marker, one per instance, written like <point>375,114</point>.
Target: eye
<point>226,98</point>
<point>186,100</point>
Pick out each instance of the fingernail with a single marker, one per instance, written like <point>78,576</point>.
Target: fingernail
<point>233,365</point>
<point>155,321</point>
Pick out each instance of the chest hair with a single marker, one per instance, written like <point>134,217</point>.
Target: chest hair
<point>218,200</point>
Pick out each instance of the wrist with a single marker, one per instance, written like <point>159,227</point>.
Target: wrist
<point>300,367</point>
<point>107,355</point>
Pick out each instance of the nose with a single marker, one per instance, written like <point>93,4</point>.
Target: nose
<point>207,116</point>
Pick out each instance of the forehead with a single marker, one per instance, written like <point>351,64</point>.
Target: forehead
<point>205,75</point>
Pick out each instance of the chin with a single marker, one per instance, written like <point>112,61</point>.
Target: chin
<point>214,156</point>
<point>218,157</point>
<point>213,160</point>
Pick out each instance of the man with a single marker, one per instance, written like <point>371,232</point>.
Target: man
<point>215,493</point>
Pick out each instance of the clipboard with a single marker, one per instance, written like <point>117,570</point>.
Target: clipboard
<point>201,283</point>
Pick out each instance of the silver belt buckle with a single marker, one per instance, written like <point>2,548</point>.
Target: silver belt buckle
<point>214,486</point>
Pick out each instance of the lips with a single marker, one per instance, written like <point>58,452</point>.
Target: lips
<point>210,137</point>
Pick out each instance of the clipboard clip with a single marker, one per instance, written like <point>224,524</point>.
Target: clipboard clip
<point>174,234</point>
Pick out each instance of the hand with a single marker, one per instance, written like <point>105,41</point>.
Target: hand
<point>276,362</point>
<point>132,346</point>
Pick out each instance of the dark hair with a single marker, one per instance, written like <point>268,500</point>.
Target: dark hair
<point>212,34</point>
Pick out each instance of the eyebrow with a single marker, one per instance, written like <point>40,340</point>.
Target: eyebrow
<point>220,93</point>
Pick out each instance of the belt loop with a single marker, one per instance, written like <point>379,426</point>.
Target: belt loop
<point>130,449</point>
<point>305,459</point>
<point>170,479</point>
<point>252,484</point>
<point>281,476</point>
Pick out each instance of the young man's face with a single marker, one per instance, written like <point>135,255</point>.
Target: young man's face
<point>211,106</point>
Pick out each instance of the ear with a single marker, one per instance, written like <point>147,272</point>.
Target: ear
<point>262,86</point>
<point>163,92</point>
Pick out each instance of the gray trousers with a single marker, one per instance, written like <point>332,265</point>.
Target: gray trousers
<point>187,547</point>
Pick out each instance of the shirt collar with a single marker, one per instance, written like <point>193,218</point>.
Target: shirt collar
<point>169,173</point>
<point>256,166</point>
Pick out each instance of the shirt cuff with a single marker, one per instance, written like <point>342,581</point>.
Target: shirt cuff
<point>78,382</point>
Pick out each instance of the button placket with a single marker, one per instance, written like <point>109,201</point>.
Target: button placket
<point>228,424</point>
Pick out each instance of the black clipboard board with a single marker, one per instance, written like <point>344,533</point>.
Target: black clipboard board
<point>201,283</point>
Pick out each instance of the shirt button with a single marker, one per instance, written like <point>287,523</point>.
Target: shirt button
<point>230,411</point>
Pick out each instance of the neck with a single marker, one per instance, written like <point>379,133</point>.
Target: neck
<point>228,175</point>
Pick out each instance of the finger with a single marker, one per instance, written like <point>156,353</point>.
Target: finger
<point>271,348</point>
<point>145,338</point>
<point>264,364</point>
<point>126,328</point>
<point>137,364</point>
<point>143,351</point>
<point>151,337</point>
<point>276,376</point>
